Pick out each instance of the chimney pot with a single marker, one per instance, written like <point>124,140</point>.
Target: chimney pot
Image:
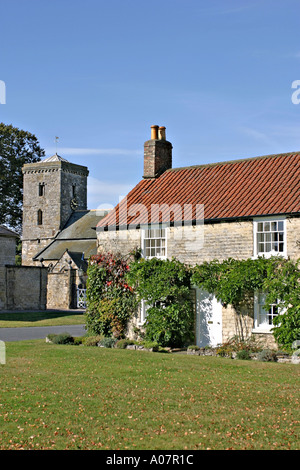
<point>154,132</point>
<point>162,133</point>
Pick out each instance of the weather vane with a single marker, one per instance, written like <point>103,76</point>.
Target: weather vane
<point>56,139</point>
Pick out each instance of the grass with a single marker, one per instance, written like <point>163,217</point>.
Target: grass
<point>77,397</point>
<point>43,318</point>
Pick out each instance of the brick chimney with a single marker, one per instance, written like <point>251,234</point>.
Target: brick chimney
<point>157,153</point>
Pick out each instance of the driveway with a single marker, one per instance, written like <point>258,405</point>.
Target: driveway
<point>39,332</point>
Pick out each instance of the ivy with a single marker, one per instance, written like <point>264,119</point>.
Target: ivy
<point>234,281</point>
<point>231,281</point>
<point>165,287</point>
<point>114,289</point>
<point>111,301</point>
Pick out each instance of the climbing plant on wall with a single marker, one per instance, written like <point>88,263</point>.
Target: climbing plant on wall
<point>164,285</point>
<point>111,301</point>
<point>233,281</point>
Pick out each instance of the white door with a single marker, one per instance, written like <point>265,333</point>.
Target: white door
<point>208,319</point>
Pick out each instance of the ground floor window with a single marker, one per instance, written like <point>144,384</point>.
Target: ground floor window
<point>264,316</point>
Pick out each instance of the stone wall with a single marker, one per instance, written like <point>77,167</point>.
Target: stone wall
<point>7,250</point>
<point>123,241</point>
<point>196,244</point>
<point>2,287</point>
<point>61,290</point>
<point>23,288</point>
<point>293,238</point>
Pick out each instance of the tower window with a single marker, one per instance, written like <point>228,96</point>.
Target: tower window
<point>42,189</point>
<point>40,217</point>
<point>74,190</point>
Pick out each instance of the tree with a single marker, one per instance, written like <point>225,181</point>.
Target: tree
<point>17,147</point>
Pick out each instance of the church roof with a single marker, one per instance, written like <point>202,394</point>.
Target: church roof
<point>6,232</point>
<point>77,236</point>
<point>55,158</point>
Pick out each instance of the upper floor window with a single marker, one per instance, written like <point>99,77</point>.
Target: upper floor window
<point>40,217</point>
<point>42,189</point>
<point>270,237</point>
<point>154,243</point>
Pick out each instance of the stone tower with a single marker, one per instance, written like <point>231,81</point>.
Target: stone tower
<point>52,189</point>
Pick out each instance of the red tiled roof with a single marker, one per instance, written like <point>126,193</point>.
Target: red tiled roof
<point>242,188</point>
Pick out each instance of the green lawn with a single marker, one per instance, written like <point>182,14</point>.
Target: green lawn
<point>79,397</point>
<point>43,318</point>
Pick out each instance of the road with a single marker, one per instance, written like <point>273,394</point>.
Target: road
<point>39,332</point>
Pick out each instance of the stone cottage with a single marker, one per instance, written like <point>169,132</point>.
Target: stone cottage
<point>240,209</point>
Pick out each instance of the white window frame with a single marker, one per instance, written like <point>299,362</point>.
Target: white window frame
<point>268,254</point>
<point>259,311</point>
<point>144,238</point>
<point>143,312</point>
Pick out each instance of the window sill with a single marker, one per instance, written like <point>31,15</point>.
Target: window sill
<point>262,331</point>
<point>269,255</point>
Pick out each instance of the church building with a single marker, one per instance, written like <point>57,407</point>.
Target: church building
<point>59,232</point>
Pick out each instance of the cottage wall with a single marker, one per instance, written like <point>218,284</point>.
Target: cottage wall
<point>293,238</point>
<point>190,245</point>
<point>196,244</point>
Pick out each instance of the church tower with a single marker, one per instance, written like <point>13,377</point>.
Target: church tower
<point>52,190</point>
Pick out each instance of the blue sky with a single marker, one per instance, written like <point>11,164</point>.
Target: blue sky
<point>97,74</point>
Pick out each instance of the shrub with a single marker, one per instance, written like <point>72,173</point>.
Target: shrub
<point>62,338</point>
<point>243,354</point>
<point>193,347</point>
<point>122,343</point>
<point>235,345</point>
<point>151,345</point>
<point>267,355</point>
<point>107,342</point>
<point>92,340</point>
<point>78,340</point>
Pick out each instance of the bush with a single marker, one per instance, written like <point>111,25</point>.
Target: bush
<point>92,340</point>
<point>194,347</point>
<point>235,345</point>
<point>78,340</point>
<point>122,343</point>
<point>62,338</point>
<point>243,354</point>
<point>150,345</point>
<point>107,342</point>
<point>267,355</point>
